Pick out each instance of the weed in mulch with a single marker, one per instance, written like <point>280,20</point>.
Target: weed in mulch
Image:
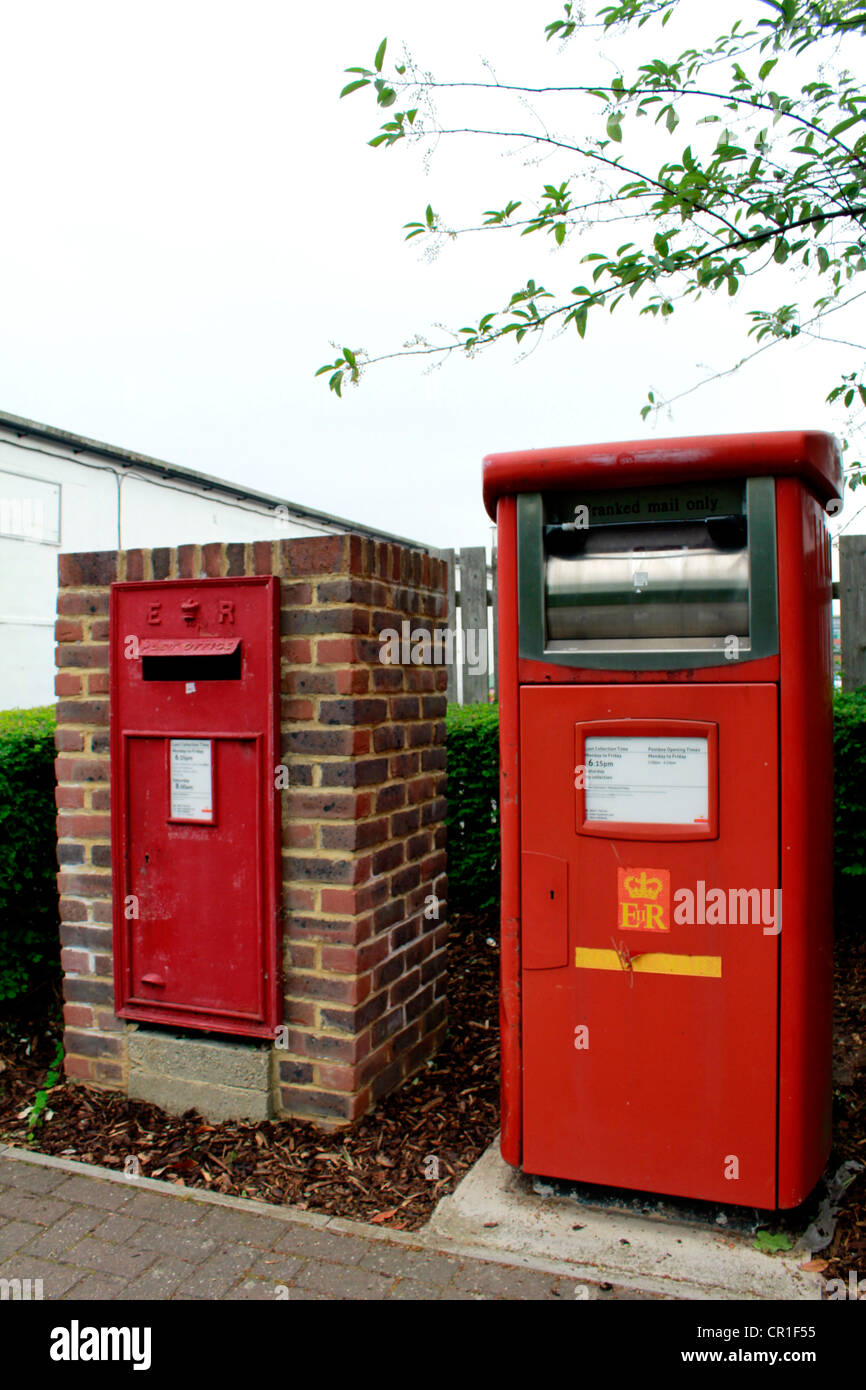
<point>391,1167</point>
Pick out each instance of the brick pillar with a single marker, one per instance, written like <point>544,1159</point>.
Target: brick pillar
<point>363,745</point>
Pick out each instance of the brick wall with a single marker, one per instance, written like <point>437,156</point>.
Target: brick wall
<point>362,817</point>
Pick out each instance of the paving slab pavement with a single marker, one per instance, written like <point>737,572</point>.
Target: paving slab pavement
<point>93,1234</point>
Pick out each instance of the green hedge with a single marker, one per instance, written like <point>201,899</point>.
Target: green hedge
<point>849,741</point>
<point>28,856</point>
<point>28,894</point>
<point>473,808</point>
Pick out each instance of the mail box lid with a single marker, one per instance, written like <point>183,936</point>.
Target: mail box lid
<point>810,454</point>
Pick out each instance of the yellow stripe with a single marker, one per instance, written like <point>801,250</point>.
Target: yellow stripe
<point>650,963</point>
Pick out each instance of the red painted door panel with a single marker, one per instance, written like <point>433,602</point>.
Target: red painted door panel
<point>197,939</point>
<point>650,1055</point>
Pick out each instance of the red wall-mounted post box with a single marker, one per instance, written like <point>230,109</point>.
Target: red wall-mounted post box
<point>666,790</point>
<point>195,816</point>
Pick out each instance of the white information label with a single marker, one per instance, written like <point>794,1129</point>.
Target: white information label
<point>191,777</point>
<point>647,781</point>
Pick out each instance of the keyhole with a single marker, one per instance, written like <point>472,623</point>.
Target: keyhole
<point>552,894</point>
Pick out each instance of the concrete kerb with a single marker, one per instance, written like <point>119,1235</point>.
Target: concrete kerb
<point>492,1218</point>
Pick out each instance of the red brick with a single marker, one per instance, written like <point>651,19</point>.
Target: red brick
<point>298,650</point>
<point>294,594</point>
<point>421,789</point>
<point>97,683</point>
<point>92,655</point>
<point>361,773</point>
<point>263,557</point>
<point>297,709</point>
<point>337,1078</point>
<point>71,910</point>
<point>78,1015</point>
<point>82,769</point>
<point>301,956</point>
<point>298,621</point>
<point>338,650</point>
<point>75,962</point>
<point>84,827</point>
<point>313,682</point>
<point>344,743</point>
<point>85,885</point>
<point>93,601</point>
<point>83,712</point>
<point>389,798</point>
<point>342,959</point>
<point>78,1067</point>
<point>212,557</point>
<point>69,798</point>
<point>311,555</point>
<point>99,630</point>
<point>355,835</point>
<point>352,711</point>
<point>235,559</point>
<point>67,630</point>
<point>68,683</point>
<point>353,680</point>
<point>68,740</point>
<point>352,901</point>
<point>161,562</point>
<point>299,899</point>
<point>186,562</point>
<point>299,836</point>
<point>316,805</point>
<point>95,567</point>
<point>134,565</point>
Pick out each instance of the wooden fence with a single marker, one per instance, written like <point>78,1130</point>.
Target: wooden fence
<point>473,674</point>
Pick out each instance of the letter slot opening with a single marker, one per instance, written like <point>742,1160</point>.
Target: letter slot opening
<point>199,659</point>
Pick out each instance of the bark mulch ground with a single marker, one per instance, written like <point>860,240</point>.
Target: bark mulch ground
<point>392,1167</point>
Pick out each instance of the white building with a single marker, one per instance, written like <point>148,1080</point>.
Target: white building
<point>62,492</point>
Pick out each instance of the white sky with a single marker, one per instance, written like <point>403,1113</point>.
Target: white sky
<point>190,216</point>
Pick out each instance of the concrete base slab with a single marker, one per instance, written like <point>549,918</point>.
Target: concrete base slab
<point>495,1207</point>
<point>221,1080</point>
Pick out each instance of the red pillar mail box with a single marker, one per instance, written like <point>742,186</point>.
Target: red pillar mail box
<point>666,788</point>
<point>194,689</point>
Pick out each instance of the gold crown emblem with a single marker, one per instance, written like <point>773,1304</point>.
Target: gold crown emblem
<point>639,886</point>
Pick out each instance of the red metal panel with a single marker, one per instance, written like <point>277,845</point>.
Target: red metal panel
<point>544,908</point>
<point>510,1063</point>
<point>195,818</point>
<point>652,1095</point>
<point>806,724</point>
<point>811,455</point>
<point>536,672</point>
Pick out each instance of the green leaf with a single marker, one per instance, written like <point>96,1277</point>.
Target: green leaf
<point>614,127</point>
<point>767,68</point>
<point>380,55</point>
<point>559,233</point>
<point>354,86</point>
<point>672,120</point>
<point>771,1243</point>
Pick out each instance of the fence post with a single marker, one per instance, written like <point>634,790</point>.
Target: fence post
<point>852,594</point>
<point>473,617</point>
<point>450,557</point>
